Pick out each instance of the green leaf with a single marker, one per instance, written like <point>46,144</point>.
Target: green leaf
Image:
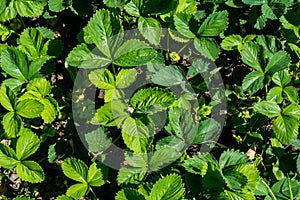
<point>213,178</point>
<point>97,140</point>
<point>126,77</point>
<point>278,62</point>
<point>12,124</point>
<point>32,8</point>
<point>251,172</point>
<point>50,110</point>
<point>82,57</point>
<point>275,94</point>
<point>33,43</point>
<point>253,82</point>
<point>181,22</point>
<point>13,83</point>
<point>250,55</point>
<point>136,135</point>
<point>131,175</point>
<point>268,108</point>
<point>235,180</point>
<point>292,110</point>
<point>169,187</point>
<point>30,171</point>
<point>163,157</point>
<point>168,76</point>
<point>198,164</point>
<point>104,115</point>
<point>150,29</point>
<point>4,32</point>
<point>40,85</point>
<point>133,8</point>
<point>207,129</point>
<point>75,169</point>
<point>78,190</point>
<point>63,197</point>
<point>102,78</point>
<point>187,6</point>
<point>14,63</point>
<point>286,189</point>
<point>8,158</point>
<point>285,128</point>
<point>134,53</point>
<point>254,2</point>
<point>128,194</point>
<point>298,163</point>
<point>232,157</point>
<point>154,7</point>
<point>292,93</point>
<point>232,42</point>
<point>114,3</point>
<point>207,47</point>
<point>29,108</point>
<point>7,98</point>
<point>152,99</point>
<point>214,24</point>
<point>27,144</point>
<point>94,176</point>
<point>59,5</point>
<point>100,29</point>
<point>35,67</point>
<point>281,78</point>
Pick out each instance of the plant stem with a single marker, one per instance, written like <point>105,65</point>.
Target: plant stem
<point>269,190</point>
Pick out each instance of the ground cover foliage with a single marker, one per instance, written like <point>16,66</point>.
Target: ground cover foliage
<point>255,46</point>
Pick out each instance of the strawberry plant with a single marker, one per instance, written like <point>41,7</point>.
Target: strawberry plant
<point>149,99</point>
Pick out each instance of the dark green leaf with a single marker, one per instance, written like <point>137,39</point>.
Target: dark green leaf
<point>207,47</point>
<point>275,94</point>
<point>281,78</point>
<point>253,82</point>
<point>59,5</point>
<point>97,140</point>
<point>214,24</point>
<point>292,93</point>
<point>82,57</point>
<point>250,55</point>
<point>232,157</point>
<point>159,6</point>
<point>279,61</point>
<point>14,62</point>
<point>134,53</point>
